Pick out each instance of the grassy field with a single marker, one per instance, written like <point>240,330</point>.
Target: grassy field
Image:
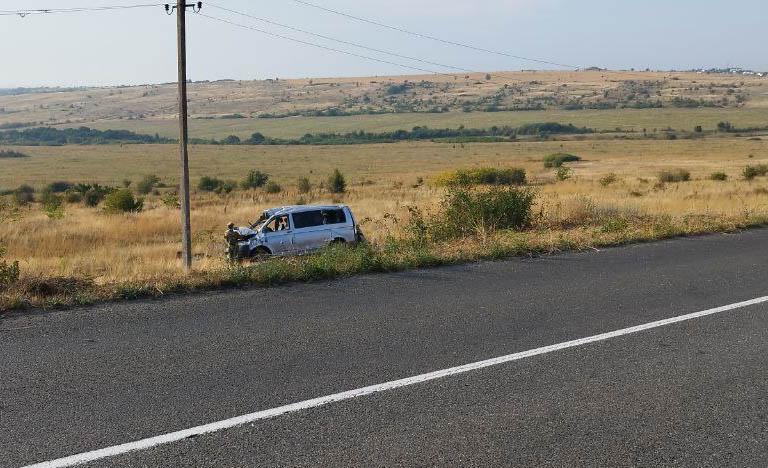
<point>113,249</point>
<point>379,165</point>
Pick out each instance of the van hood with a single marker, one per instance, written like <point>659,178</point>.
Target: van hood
<point>246,231</point>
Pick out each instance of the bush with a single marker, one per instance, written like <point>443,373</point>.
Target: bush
<point>226,186</point>
<point>254,179</point>
<point>12,154</point>
<point>674,175</point>
<point>24,194</point>
<point>209,184</point>
<point>95,194</point>
<point>467,211</point>
<point>563,173</point>
<point>59,186</point>
<point>750,172</point>
<point>9,272</point>
<point>147,184</point>
<point>53,205</point>
<point>608,179</point>
<point>337,183</point>
<point>122,201</point>
<point>718,176</point>
<point>304,186</point>
<point>272,187</point>
<point>171,200</point>
<point>72,196</point>
<point>482,176</point>
<point>558,159</point>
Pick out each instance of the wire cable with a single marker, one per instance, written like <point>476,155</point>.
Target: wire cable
<point>319,46</point>
<point>341,41</point>
<point>433,38</point>
<point>49,11</point>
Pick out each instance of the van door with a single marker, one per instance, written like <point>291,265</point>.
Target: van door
<point>309,231</point>
<point>278,235</point>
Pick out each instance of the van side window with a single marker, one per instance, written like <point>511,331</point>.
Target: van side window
<point>334,217</point>
<point>307,219</point>
<point>279,223</point>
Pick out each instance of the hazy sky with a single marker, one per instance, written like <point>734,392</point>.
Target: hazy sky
<point>138,46</point>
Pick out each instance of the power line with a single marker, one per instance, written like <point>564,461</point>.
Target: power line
<point>319,46</point>
<point>341,41</point>
<point>50,11</point>
<point>433,38</point>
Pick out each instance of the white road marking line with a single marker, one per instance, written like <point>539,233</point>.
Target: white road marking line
<point>145,444</point>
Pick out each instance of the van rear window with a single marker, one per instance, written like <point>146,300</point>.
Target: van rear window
<point>334,217</point>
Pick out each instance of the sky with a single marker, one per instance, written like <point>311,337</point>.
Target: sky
<point>139,46</point>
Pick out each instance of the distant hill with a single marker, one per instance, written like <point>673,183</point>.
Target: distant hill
<point>342,97</point>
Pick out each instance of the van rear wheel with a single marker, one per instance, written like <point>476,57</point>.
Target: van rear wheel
<point>338,241</point>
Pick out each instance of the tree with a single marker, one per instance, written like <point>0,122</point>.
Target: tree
<point>336,182</point>
<point>231,140</point>
<point>257,139</point>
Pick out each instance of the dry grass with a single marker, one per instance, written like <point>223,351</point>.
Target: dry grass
<point>117,247</point>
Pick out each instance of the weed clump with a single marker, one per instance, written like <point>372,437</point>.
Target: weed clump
<point>558,159</point>
<point>608,179</point>
<point>674,175</point>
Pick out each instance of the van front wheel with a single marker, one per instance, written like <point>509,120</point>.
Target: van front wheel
<point>261,252</point>
<point>338,241</point>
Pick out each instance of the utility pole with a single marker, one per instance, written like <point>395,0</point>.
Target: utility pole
<point>186,227</point>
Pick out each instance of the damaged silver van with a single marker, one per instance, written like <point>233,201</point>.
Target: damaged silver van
<point>293,230</point>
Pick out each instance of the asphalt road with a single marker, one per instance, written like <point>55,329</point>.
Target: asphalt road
<point>690,394</point>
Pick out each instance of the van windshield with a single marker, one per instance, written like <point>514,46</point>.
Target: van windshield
<point>260,222</point>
